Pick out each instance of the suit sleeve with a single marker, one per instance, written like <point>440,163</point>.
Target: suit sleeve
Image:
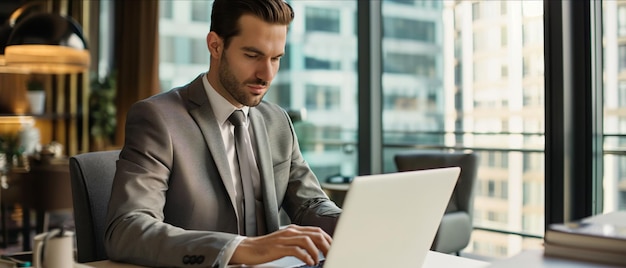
<point>136,232</point>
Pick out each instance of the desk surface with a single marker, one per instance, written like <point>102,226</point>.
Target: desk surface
<point>437,259</point>
<point>433,259</point>
<point>536,259</point>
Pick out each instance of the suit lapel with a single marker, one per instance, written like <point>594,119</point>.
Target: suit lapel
<point>201,111</point>
<point>264,162</point>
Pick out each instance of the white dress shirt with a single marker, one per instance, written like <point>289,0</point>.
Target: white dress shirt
<point>222,110</point>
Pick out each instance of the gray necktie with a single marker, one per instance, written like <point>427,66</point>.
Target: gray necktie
<point>244,157</point>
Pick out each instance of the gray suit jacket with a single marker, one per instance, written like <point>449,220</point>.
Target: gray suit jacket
<point>172,201</point>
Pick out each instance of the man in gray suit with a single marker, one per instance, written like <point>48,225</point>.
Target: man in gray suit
<point>176,198</point>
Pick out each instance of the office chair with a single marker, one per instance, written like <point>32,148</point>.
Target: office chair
<point>92,177</point>
<point>456,227</point>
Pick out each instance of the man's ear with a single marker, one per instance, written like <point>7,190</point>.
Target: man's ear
<point>215,44</point>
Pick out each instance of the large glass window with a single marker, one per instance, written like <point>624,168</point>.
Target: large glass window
<point>183,26</point>
<point>321,75</point>
<point>500,44</point>
<point>614,50</point>
<point>456,75</point>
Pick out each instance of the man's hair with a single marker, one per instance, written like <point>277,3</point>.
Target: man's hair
<point>226,13</point>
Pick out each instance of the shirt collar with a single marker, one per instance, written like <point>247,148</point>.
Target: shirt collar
<point>221,107</point>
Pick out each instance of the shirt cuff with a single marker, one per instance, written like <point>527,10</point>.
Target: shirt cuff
<point>228,251</point>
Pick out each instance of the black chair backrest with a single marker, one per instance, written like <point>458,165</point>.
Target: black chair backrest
<point>468,162</point>
<point>92,177</point>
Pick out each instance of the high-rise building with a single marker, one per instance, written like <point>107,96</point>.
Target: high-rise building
<point>499,85</point>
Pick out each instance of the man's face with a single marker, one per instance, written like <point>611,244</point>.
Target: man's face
<point>249,64</point>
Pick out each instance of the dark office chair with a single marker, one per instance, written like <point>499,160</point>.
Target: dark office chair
<point>92,176</point>
<point>456,227</point>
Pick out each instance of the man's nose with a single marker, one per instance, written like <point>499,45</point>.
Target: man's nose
<point>266,70</point>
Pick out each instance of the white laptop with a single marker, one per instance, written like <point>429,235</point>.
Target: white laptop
<point>388,220</point>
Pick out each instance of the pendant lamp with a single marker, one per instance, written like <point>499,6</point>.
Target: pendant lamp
<point>47,43</point>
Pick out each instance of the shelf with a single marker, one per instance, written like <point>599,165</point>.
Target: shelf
<point>50,116</point>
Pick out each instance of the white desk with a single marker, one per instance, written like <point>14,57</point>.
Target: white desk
<point>433,259</point>
<point>437,259</point>
<point>536,259</point>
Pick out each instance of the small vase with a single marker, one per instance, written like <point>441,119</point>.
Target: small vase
<point>37,100</point>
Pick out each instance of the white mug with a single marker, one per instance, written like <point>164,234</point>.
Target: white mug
<point>54,249</point>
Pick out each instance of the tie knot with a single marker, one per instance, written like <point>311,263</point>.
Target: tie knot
<point>237,118</point>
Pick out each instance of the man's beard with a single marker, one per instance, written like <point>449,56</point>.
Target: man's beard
<point>235,88</point>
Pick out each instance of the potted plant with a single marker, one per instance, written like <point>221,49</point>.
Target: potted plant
<point>3,156</point>
<point>36,96</point>
<point>11,152</point>
<point>102,112</point>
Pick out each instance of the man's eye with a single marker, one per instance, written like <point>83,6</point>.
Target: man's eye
<point>252,56</point>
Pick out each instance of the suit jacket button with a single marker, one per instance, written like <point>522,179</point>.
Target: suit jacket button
<point>200,259</point>
<point>186,259</point>
<point>193,259</point>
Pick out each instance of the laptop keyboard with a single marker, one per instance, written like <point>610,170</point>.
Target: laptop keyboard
<point>319,265</point>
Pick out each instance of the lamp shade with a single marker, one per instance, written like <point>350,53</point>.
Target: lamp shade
<point>47,43</point>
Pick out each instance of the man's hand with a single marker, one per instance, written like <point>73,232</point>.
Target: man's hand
<point>302,242</point>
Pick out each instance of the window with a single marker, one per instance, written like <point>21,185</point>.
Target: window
<point>311,63</point>
<point>166,49</point>
<point>404,2</point>
<point>622,58</point>
<point>621,20</point>
<point>183,55</point>
<point>320,97</point>
<point>532,32</point>
<point>533,194</point>
<point>421,65</point>
<point>479,40</point>
<point>200,11</point>
<point>614,86</point>
<point>430,86</point>
<point>504,71</point>
<point>400,102</point>
<point>409,29</point>
<point>504,36</point>
<point>476,11</point>
<point>285,60</point>
<point>497,189</point>
<point>473,77</point>
<point>166,9</point>
<point>434,94</point>
<point>621,94</point>
<point>322,19</point>
<point>198,51</point>
<point>280,94</point>
<point>533,97</point>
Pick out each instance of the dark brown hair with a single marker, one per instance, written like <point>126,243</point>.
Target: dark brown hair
<point>226,13</point>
